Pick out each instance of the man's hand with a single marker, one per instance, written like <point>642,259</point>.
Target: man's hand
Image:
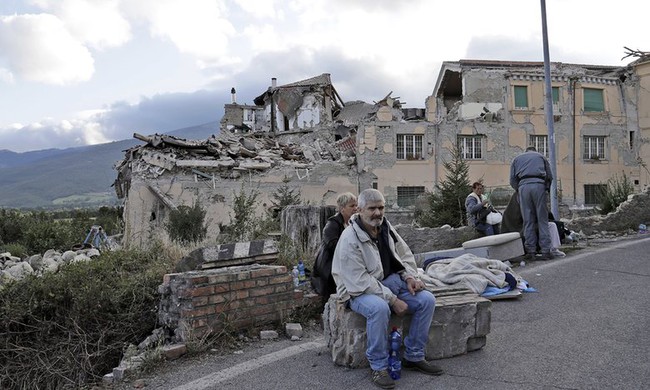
<point>399,307</point>
<point>414,285</point>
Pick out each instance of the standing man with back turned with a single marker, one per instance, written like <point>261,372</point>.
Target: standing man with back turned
<point>531,176</point>
<point>375,272</point>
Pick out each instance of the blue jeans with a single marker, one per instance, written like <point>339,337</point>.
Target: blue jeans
<point>377,313</point>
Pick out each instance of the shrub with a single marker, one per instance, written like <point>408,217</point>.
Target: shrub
<point>69,328</point>
<point>615,193</point>
<point>187,224</point>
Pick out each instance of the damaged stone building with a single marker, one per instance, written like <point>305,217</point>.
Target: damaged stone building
<point>305,136</point>
<point>493,110</point>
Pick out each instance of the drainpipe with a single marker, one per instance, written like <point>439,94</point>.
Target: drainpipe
<point>233,96</point>
<point>573,82</point>
<point>274,83</point>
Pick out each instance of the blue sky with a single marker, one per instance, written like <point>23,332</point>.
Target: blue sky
<point>79,72</point>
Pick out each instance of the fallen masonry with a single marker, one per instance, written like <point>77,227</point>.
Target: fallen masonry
<point>461,323</point>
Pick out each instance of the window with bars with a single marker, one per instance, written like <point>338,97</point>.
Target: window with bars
<point>540,142</point>
<point>593,100</point>
<point>406,196</point>
<point>471,147</point>
<point>594,192</point>
<point>409,147</point>
<point>593,147</point>
<point>521,97</point>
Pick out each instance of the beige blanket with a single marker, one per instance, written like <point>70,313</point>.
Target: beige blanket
<point>473,272</point>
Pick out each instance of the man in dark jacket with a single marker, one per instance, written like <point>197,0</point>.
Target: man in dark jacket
<point>531,176</point>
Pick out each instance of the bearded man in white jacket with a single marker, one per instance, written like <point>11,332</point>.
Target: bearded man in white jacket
<point>375,273</point>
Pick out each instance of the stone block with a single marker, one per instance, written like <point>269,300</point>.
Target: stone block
<point>174,351</point>
<point>293,329</point>
<point>460,324</point>
<point>268,335</point>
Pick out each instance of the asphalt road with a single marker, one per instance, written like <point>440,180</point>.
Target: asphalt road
<point>587,327</point>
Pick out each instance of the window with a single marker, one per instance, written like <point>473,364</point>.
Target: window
<point>470,147</point>
<point>594,148</point>
<point>406,196</point>
<point>593,100</point>
<point>631,140</point>
<point>540,142</point>
<point>556,99</point>
<point>409,147</point>
<point>593,193</point>
<point>521,97</point>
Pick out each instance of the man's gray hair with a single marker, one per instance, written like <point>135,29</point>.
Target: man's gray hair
<point>345,198</point>
<point>370,195</point>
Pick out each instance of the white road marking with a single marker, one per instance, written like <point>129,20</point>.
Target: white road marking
<point>242,368</point>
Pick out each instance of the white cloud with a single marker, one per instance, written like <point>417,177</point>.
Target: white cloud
<point>201,30</point>
<point>6,76</point>
<point>94,22</point>
<point>40,48</point>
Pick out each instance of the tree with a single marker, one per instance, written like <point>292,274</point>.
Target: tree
<point>446,205</point>
<point>284,196</point>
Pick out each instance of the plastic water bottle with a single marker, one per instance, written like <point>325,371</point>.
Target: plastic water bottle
<point>296,276</point>
<point>301,271</point>
<point>394,360</point>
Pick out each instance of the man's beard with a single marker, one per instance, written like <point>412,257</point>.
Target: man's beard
<point>374,221</point>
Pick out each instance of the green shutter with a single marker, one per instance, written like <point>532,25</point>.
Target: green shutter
<point>521,96</point>
<point>593,100</point>
<point>556,94</point>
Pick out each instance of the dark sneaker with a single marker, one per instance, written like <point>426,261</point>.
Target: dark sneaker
<point>544,256</point>
<point>528,257</point>
<point>382,379</point>
<point>422,366</point>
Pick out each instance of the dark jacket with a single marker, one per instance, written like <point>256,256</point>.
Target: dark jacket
<point>322,279</point>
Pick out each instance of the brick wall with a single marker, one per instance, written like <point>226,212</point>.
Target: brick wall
<point>198,302</point>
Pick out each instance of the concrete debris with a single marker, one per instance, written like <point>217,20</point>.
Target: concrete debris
<point>225,156</point>
<point>15,268</point>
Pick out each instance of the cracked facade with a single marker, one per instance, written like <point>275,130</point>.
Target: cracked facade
<point>304,135</point>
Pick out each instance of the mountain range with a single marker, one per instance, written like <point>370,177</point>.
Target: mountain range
<point>72,177</point>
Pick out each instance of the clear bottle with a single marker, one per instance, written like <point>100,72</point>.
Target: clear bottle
<point>301,271</point>
<point>394,360</point>
<point>296,276</point>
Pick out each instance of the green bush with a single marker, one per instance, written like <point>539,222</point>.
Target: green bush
<point>187,224</point>
<point>67,329</point>
<point>615,193</point>
<point>15,249</point>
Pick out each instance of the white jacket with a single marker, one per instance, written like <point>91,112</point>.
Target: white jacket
<point>357,268</point>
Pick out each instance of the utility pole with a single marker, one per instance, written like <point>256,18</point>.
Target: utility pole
<point>548,110</point>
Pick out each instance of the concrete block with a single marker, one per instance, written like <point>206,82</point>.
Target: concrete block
<point>500,246</point>
<point>293,329</point>
<point>268,335</point>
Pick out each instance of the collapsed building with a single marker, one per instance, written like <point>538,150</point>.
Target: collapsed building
<point>303,135</point>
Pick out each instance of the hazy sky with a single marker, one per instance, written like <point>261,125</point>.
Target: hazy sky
<point>78,72</point>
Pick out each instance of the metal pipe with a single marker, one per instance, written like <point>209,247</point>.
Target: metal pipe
<point>548,109</point>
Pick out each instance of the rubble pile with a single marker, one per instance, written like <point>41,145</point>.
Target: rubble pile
<point>15,268</point>
<point>227,155</point>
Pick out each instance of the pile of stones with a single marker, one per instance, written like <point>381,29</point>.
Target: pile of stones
<point>14,268</point>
